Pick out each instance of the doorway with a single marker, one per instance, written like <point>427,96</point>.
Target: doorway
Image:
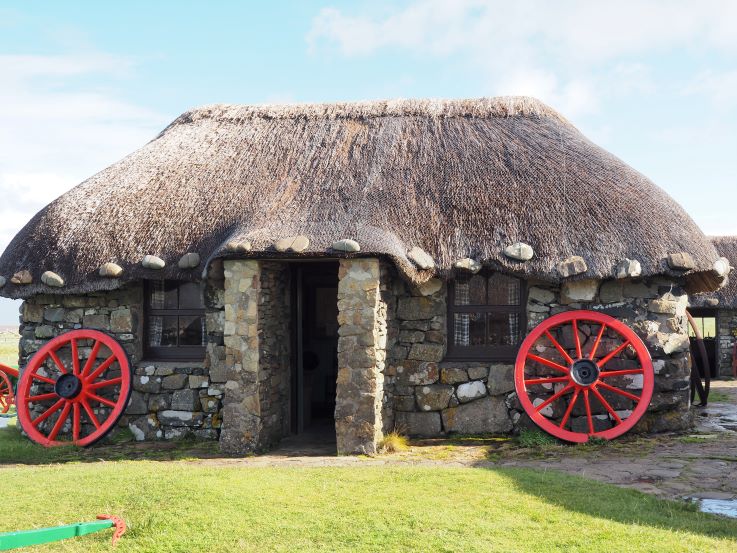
<point>706,322</point>
<point>315,363</point>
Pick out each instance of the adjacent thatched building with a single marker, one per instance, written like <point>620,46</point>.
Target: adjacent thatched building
<point>716,314</point>
<point>339,254</point>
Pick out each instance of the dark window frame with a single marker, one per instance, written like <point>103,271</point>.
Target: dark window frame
<point>193,354</point>
<point>485,352</point>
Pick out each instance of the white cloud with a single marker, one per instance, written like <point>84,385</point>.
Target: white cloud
<point>56,130</point>
<point>576,29</point>
<point>571,53</point>
<point>719,88</point>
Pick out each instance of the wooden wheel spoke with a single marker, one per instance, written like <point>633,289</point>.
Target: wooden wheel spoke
<point>75,356</point>
<point>560,349</point>
<point>592,353</point>
<point>633,397</point>
<point>606,405</point>
<point>60,421</point>
<point>589,418</point>
<point>44,379</point>
<point>91,358</point>
<point>613,353</point>
<point>75,421</point>
<point>102,368</point>
<point>46,414</point>
<point>535,381</point>
<point>57,362</point>
<point>552,398</point>
<point>90,414</point>
<point>41,397</point>
<point>547,363</point>
<point>104,401</point>
<point>104,383</point>
<point>567,414</point>
<point>609,374</point>
<point>576,338</point>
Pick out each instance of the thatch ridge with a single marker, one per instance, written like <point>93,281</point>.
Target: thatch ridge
<point>457,178</point>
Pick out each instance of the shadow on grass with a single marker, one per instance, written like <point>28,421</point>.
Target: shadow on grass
<point>16,449</point>
<point>626,506</point>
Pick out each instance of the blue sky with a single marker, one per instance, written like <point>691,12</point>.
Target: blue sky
<point>84,83</point>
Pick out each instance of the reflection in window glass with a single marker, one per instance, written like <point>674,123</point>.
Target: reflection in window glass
<point>164,294</point>
<point>162,331</point>
<point>471,291</point>
<point>191,331</point>
<point>503,290</point>
<point>503,329</point>
<point>469,329</point>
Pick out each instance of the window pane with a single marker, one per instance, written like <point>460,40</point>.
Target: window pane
<point>190,296</point>
<point>191,331</point>
<point>710,327</point>
<point>504,290</point>
<point>469,329</point>
<point>163,294</point>
<point>470,290</point>
<point>503,329</point>
<point>162,331</point>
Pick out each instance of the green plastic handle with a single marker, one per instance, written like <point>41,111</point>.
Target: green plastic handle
<point>24,538</point>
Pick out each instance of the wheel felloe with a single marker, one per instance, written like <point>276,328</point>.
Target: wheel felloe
<point>582,373</point>
<point>6,393</point>
<point>74,390</point>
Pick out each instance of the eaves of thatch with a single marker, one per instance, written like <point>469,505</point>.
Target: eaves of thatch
<point>725,297</point>
<point>456,178</point>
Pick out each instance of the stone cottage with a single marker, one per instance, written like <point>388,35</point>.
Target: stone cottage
<point>715,315</point>
<point>356,267</point>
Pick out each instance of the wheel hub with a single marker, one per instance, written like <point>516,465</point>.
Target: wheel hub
<point>584,372</point>
<point>68,386</point>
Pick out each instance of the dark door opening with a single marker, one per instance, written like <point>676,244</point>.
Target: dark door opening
<point>706,322</point>
<point>315,367</point>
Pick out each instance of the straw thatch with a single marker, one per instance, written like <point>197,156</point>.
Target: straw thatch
<point>726,297</point>
<point>455,178</point>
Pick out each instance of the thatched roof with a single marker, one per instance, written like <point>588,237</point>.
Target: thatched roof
<point>725,297</point>
<point>457,178</point>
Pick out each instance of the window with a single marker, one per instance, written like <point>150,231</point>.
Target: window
<point>486,316</point>
<point>175,320</point>
<point>706,325</point>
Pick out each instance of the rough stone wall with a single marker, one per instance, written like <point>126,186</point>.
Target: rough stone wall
<point>431,396</point>
<point>362,337</point>
<point>175,399</point>
<point>169,399</point>
<point>274,351</point>
<point>257,355</point>
<point>655,309</point>
<point>726,336</point>
<point>241,427</point>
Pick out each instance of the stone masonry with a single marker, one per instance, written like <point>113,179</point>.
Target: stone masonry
<point>361,356</point>
<point>431,396</point>
<point>169,399</point>
<point>256,403</point>
<point>726,337</point>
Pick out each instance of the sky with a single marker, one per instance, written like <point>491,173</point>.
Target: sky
<point>83,83</point>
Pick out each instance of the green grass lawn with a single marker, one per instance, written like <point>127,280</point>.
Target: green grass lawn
<point>9,353</point>
<point>192,506</point>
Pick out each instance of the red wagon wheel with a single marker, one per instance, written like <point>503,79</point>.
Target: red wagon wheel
<point>581,373</point>
<point>74,390</point>
<point>6,393</point>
